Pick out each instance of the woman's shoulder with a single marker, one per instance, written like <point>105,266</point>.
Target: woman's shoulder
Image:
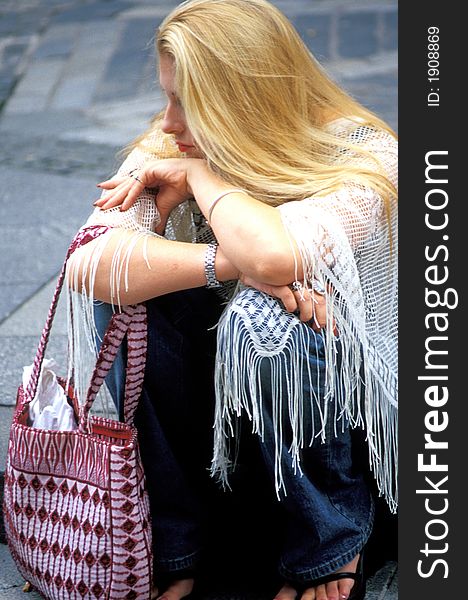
<point>358,131</point>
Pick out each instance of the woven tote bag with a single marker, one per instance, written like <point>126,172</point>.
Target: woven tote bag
<point>76,509</point>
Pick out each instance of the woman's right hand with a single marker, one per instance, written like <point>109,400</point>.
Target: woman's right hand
<point>168,175</point>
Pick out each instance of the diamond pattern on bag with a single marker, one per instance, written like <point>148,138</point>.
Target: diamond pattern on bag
<point>77,556</point>
<point>66,520</point>
<point>32,542</point>
<point>47,577</point>
<point>131,580</point>
<point>51,486</point>
<point>82,588</point>
<point>128,526</point>
<point>97,590</point>
<point>84,494</point>
<point>66,552</point>
<point>106,500</point>
<point>17,508</point>
<point>58,581</point>
<point>54,517</point>
<point>29,511</point>
<point>36,483</point>
<point>64,488</point>
<point>130,563</point>
<point>22,481</point>
<point>74,490</point>
<point>99,530</point>
<point>96,498</point>
<point>90,559</point>
<point>129,544</point>
<point>42,514</point>
<point>131,595</point>
<point>75,523</point>
<point>87,527</point>
<point>105,560</point>
<point>126,470</point>
<point>69,585</point>
<point>127,507</point>
<point>44,546</point>
<point>55,548</point>
<point>126,489</point>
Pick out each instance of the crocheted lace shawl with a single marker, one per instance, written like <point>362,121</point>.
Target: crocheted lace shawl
<point>345,241</point>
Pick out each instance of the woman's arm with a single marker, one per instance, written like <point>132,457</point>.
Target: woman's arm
<point>251,233</point>
<point>156,266</point>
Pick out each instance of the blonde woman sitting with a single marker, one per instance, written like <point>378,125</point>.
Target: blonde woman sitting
<point>261,171</point>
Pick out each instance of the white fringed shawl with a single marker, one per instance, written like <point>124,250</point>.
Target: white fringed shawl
<point>345,240</point>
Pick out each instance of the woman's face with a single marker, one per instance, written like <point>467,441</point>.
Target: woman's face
<point>174,118</point>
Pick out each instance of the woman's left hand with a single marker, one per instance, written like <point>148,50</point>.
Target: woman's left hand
<point>309,303</point>
<point>170,176</point>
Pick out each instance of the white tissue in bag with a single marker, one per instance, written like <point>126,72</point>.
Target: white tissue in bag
<point>49,409</point>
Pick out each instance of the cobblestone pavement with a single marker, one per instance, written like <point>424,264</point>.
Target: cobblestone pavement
<point>77,82</point>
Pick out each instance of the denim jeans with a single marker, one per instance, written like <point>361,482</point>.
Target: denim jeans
<point>327,513</point>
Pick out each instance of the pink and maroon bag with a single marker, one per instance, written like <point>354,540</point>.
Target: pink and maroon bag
<point>76,509</point>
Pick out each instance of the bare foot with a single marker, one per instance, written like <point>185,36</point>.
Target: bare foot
<point>177,590</point>
<point>335,590</point>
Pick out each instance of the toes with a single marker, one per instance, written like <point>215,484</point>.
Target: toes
<point>345,586</point>
<point>309,594</point>
<point>178,589</point>
<point>321,592</point>
<point>333,592</point>
<point>286,593</point>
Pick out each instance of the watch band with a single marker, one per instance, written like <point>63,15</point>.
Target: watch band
<point>210,273</point>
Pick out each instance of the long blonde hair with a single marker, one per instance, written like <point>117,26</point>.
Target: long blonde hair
<point>257,102</point>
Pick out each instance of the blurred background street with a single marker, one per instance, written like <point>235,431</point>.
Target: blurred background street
<point>77,83</point>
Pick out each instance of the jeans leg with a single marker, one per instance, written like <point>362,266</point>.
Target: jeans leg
<point>328,510</point>
<point>174,431</point>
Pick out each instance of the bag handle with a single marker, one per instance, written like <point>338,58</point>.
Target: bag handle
<point>131,321</point>
<point>136,341</point>
<point>81,238</point>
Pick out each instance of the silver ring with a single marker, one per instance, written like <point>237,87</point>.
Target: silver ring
<point>131,174</point>
<point>296,286</point>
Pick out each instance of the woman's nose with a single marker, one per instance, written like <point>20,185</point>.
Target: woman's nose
<point>171,122</point>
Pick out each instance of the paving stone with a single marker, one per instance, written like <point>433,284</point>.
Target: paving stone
<point>357,34</point>
<point>30,317</point>
<point>34,89</point>
<point>17,352</point>
<point>13,53</point>
<point>95,161</point>
<point>90,12</point>
<point>315,31</point>
<point>58,41</point>
<point>86,67</point>
<point>13,295</point>
<point>127,66</point>
<point>32,243</point>
<point>11,582</point>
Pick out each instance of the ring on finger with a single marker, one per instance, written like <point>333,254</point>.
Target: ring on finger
<point>133,176</point>
<point>296,286</point>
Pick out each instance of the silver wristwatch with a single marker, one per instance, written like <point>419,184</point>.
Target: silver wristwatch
<point>210,256</point>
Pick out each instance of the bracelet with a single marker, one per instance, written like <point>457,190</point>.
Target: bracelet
<point>216,200</point>
<point>210,273</point>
